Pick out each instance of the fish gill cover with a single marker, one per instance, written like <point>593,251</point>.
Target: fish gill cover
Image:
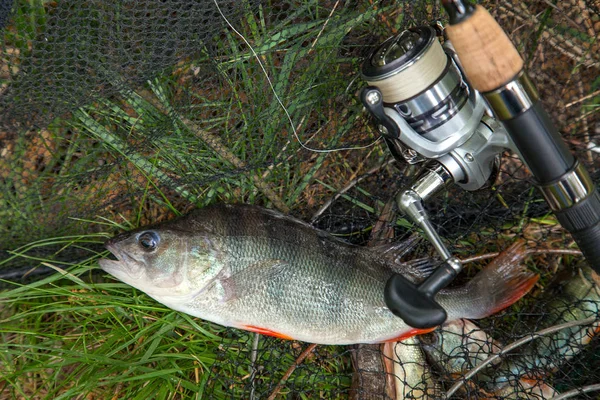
<point>119,114</point>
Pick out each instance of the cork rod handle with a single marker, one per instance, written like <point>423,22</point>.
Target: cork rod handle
<point>489,58</point>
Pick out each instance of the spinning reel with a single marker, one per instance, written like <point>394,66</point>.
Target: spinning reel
<point>427,113</point>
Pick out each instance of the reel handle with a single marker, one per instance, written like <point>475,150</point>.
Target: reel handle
<point>416,304</point>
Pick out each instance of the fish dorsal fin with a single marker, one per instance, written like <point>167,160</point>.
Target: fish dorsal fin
<point>393,253</point>
<point>397,249</point>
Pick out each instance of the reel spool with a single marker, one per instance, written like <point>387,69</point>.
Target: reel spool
<point>406,65</point>
<point>425,109</point>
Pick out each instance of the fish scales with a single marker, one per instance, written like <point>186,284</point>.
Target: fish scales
<point>252,268</point>
<point>322,295</point>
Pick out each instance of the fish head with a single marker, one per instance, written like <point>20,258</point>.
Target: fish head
<point>164,263</point>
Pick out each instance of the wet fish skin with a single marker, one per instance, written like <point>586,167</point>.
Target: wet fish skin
<point>412,372</point>
<point>459,346</point>
<point>578,299</point>
<point>252,268</point>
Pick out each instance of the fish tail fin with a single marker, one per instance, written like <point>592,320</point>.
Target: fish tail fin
<point>500,284</point>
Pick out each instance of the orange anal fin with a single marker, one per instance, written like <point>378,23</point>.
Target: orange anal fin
<point>590,333</point>
<point>267,332</point>
<point>537,388</point>
<point>597,329</point>
<point>531,380</point>
<point>520,290</point>
<point>412,332</point>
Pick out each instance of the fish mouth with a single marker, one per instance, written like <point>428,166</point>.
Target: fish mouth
<point>124,267</point>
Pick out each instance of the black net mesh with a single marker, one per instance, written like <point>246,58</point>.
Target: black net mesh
<point>125,113</point>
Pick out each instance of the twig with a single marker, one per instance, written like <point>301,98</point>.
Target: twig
<point>553,251</point>
<point>587,20</point>
<point>586,127</point>
<point>513,346</point>
<point>253,356</point>
<point>218,147</point>
<point>575,392</point>
<point>312,46</point>
<point>291,369</point>
<point>583,116</point>
<point>589,96</point>
<point>567,48</point>
<point>563,14</point>
<point>388,357</point>
<point>348,187</point>
<point>527,253</point>
<point>383,228</point>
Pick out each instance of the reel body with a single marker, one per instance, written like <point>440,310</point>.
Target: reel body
<point>427,113</point>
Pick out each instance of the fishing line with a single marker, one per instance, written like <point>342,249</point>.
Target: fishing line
<point>279,101</point>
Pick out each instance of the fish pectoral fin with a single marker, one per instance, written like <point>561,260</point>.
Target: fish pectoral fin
<point>418,269</point>
<point>267,332</point>
<point>221,290</point>
<point>414,270</point>
<point>250,280</point>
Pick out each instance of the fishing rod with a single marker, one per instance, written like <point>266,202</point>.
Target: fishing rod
<point>455,108</point>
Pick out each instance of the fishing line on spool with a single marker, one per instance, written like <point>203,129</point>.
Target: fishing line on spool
<point>280,102</point>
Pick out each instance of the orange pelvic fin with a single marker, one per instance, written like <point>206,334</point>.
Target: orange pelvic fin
<point>267,332</point>
<point>410,333</point>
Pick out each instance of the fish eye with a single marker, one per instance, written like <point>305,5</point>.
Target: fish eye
<point>148,241</point>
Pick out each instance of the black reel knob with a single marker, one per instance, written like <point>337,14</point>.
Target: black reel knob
<point>416,304</point>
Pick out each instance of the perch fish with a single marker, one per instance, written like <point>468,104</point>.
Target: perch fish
<point>412,373</point>
<point>577,298</point>
<point>459,346</point>
<point>255,269</point>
